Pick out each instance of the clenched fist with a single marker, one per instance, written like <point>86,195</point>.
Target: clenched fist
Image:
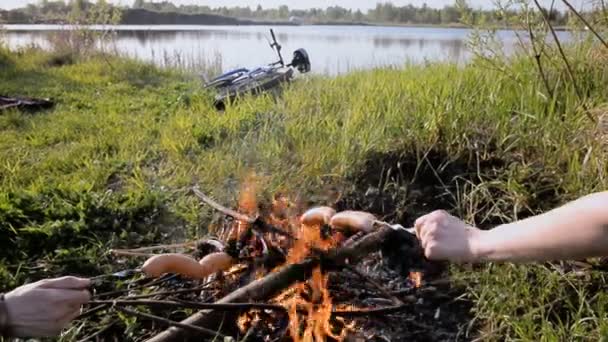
<point>445,237</point>
<point>44,308</point>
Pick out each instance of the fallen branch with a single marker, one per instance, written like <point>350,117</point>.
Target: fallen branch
<point>367,312</point>
<point>273,284</point>
<point>92,311</point>
<point>169,322</point>
<point>192,305</point>
<point>167,293</point>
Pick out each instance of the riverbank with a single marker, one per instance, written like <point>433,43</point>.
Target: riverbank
<point>109,166</point>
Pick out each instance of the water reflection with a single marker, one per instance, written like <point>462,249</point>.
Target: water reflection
<point>333,49</point>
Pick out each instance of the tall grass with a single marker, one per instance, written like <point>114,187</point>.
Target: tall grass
<point>110,165</point>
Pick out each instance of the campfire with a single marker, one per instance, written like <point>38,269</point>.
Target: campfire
<point>274,274</point>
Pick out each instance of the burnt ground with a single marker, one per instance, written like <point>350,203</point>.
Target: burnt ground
<point>399,189</point>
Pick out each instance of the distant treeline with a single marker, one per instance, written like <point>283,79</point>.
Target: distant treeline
<point>147,12</point>
<point>382,13</point>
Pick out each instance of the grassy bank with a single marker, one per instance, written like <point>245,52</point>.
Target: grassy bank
<point>110,164</point>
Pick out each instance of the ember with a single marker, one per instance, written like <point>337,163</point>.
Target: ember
<point>416,279</point>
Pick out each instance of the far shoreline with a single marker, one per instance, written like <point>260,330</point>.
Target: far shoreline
<point>14,27</point>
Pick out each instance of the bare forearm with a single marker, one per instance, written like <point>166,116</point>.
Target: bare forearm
<point>576,230</point>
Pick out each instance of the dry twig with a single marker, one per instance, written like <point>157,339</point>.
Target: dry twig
<point>169,322</point>
<point>192,305</point>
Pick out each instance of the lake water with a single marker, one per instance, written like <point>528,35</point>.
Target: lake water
<point>332,49</point>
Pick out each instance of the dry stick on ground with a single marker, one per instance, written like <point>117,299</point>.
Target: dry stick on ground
<point>91,312</point>
<point>566,62</point>
<point>589,26</point>
<point>247,306</point>
<point>167,293</point>
<point>169,322</point>
<point>272,284</point>
<point>193,305</point>
<point>368,312</point>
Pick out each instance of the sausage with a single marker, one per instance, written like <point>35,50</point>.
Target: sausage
<point>215,262</point>
<point>317,216</point>
<point>354,221</point>
<point>173,263</point>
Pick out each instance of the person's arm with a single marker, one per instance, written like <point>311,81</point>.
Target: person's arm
<point>44,308</point>
<point>576,230</point>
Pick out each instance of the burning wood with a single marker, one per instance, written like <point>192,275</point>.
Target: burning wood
<point>416,278</point>
<point>284,281</point>
<point>302,281</point>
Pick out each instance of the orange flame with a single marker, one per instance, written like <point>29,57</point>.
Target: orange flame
<point>318,323</point>
<point>248,201</point>
<point>247,205</point>
<point>416,278</point>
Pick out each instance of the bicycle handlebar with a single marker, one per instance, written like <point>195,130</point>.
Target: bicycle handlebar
<point>274,38</point>
<point>276,46</point>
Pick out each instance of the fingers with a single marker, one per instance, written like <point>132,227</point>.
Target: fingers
<point>429,224</point>
<point>74,297</point>
<point>71,312</point>
<point>419,225</point>
<point>66,283</point>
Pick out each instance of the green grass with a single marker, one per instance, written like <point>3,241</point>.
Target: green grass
<point>109,166</point>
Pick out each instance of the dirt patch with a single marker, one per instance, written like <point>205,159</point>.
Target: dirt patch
<point>400,187</point>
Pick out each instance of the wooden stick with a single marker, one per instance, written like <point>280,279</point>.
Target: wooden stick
<point>192,305</point>
<point>193,328</point>
<point>167,293</point>
<point>274,283</point>
<point>227,211</point>
<point>367,312</point>
<point>91,312</point>
<point>256,222</point>
<point>119,252</point>
<point>152,283</point>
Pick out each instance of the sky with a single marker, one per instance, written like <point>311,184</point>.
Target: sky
<point>355,4</point>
